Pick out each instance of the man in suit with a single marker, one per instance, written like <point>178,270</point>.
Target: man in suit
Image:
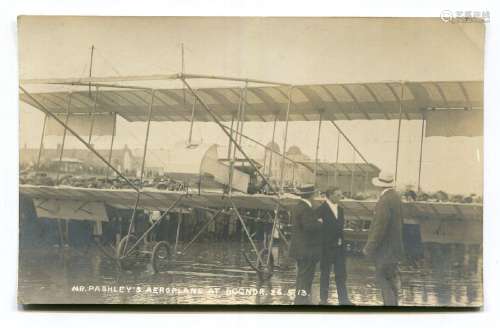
<point>333,248</point>
<point>385,241</point>
<point>305,245</point>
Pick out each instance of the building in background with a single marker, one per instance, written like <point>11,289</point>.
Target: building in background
<point>123,159</point>
<point>351,178</point>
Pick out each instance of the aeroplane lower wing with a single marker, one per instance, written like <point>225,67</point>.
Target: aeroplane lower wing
<point>154,199</point>
<point>418,210</point>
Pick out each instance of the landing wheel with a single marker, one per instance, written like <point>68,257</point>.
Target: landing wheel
<point>263,265</point>
<point>125,261</point>
<point>266,264</point>
<point>160,256</point>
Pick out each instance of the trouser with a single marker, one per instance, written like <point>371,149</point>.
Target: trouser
<point>303,284</point>
<point>387,276</point>
<point>338,261</point>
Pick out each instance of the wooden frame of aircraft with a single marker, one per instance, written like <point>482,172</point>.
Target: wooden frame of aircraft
<point>267,101</point>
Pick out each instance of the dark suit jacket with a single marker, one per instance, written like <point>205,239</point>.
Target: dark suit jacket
<point>332,230</point>
<point>306,233</point>
<point>385,239</point>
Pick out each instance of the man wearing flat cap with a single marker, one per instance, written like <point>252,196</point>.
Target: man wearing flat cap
<point>385,239</point>
<point>305,246</point>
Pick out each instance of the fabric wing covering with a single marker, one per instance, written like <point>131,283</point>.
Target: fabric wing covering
<point>446,123</point>
<point>154,199</point>
<point>327,168</point>
<point>98,125</point>
<point>351,101</point>
<point>419,210</point>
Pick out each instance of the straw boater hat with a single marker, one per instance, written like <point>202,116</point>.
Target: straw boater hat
<point>305,190</point>
<point>384,179</point>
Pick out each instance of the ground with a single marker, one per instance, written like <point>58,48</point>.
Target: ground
<point>217,273</point>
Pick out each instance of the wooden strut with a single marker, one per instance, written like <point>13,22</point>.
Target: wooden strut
<point>174,204</point>
<point>421,151</point>
<point>335,177</point>
<point>90,94</point>
<point>182,72</point>
<point>201,230</point>
<point>156,77</point>
<point>349,141</point>
<point>111,145</point>
<point>179,221</point>
<point>243,224</point>
<point>365,181</point>
<point>191,123</point>
<point>62,235</point>
<point>64,138</point>
<point>399,133</point>
<point>132,219</point>
<point>243,109</point>
<point>269,170</point>
<point>90,69</point>
<point>92,117</point>
<point>317,150</point>
<point>41,142</point>
<point>232,157</point>
<point>229,143</point>
<point>275,223</point>
<point>285,138</point>
<point>352,173</point>
<point>103,85</point>
<point>235,79</point>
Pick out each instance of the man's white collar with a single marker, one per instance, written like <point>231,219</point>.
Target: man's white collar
<point>329,202</point>
<point>308,202</point>
<point>384,191</point>
<point>333,207</point>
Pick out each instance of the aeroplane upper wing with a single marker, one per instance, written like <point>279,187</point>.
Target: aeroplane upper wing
<point>340,101</point>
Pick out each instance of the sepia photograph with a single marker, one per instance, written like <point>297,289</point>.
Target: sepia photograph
<point>308,161</point>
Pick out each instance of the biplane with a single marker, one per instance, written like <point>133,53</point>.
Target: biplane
<point>432,102</point>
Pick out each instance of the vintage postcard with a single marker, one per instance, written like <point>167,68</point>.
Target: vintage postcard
<point>251,161</point>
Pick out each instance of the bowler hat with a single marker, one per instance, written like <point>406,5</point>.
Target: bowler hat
<point>305,190</point>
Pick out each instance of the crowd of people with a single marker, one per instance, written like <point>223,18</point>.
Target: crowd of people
<point>34,177</point>
<point>410,195</point>
<point>104,180</point>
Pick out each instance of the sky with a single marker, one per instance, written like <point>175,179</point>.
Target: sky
<point>293,50</point>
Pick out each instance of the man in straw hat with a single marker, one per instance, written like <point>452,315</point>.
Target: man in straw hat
<point>305,246</point>
<point>385,242</point>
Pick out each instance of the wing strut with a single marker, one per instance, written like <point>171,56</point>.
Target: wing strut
<point>421,150</point>
<point>349,141</point>
<point>401,99</point>
<point>317,149</point>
